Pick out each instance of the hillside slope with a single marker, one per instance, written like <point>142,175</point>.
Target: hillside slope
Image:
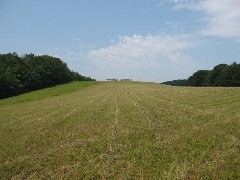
<point>123,130</point>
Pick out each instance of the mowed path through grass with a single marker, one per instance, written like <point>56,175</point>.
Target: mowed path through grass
<point>123,130</point>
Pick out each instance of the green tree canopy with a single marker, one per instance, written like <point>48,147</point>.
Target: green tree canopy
<point>198,78</point>
<point>30,72</point>
<point>221,75</point>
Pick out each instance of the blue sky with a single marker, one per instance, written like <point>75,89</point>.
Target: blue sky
<point>146,40</point>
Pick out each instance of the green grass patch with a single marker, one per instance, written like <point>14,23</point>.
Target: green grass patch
<point>47,92</point>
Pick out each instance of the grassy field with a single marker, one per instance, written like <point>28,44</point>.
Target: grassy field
<point>121,130</point>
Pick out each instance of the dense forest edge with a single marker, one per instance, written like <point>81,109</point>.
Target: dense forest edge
<point>222,75</point>
<point>29,72</point>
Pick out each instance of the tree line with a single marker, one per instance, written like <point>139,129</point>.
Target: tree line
<point>20,74</point>
<point>222,75</point>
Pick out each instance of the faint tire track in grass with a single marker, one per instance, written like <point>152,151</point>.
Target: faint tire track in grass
<point>152,120</point>
<point>112,150</point>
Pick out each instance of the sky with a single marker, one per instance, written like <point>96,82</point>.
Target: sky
<point>144,40</point>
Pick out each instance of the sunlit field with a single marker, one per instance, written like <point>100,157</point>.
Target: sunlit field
<point>121,130</point>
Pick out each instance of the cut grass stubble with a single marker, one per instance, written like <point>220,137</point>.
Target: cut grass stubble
<point>123,130</point>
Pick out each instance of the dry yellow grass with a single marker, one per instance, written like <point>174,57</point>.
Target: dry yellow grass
<point>123,130</point>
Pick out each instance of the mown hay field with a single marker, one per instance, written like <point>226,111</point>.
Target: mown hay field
<point>122,130</point>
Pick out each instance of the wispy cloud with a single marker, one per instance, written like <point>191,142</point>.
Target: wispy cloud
<point>179,4</point>
<point>222,17</point>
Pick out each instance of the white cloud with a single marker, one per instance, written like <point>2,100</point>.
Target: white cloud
<point>179,4</point>
<point>138,48</point>
<point>150,54</point>
<point>222,17</point>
